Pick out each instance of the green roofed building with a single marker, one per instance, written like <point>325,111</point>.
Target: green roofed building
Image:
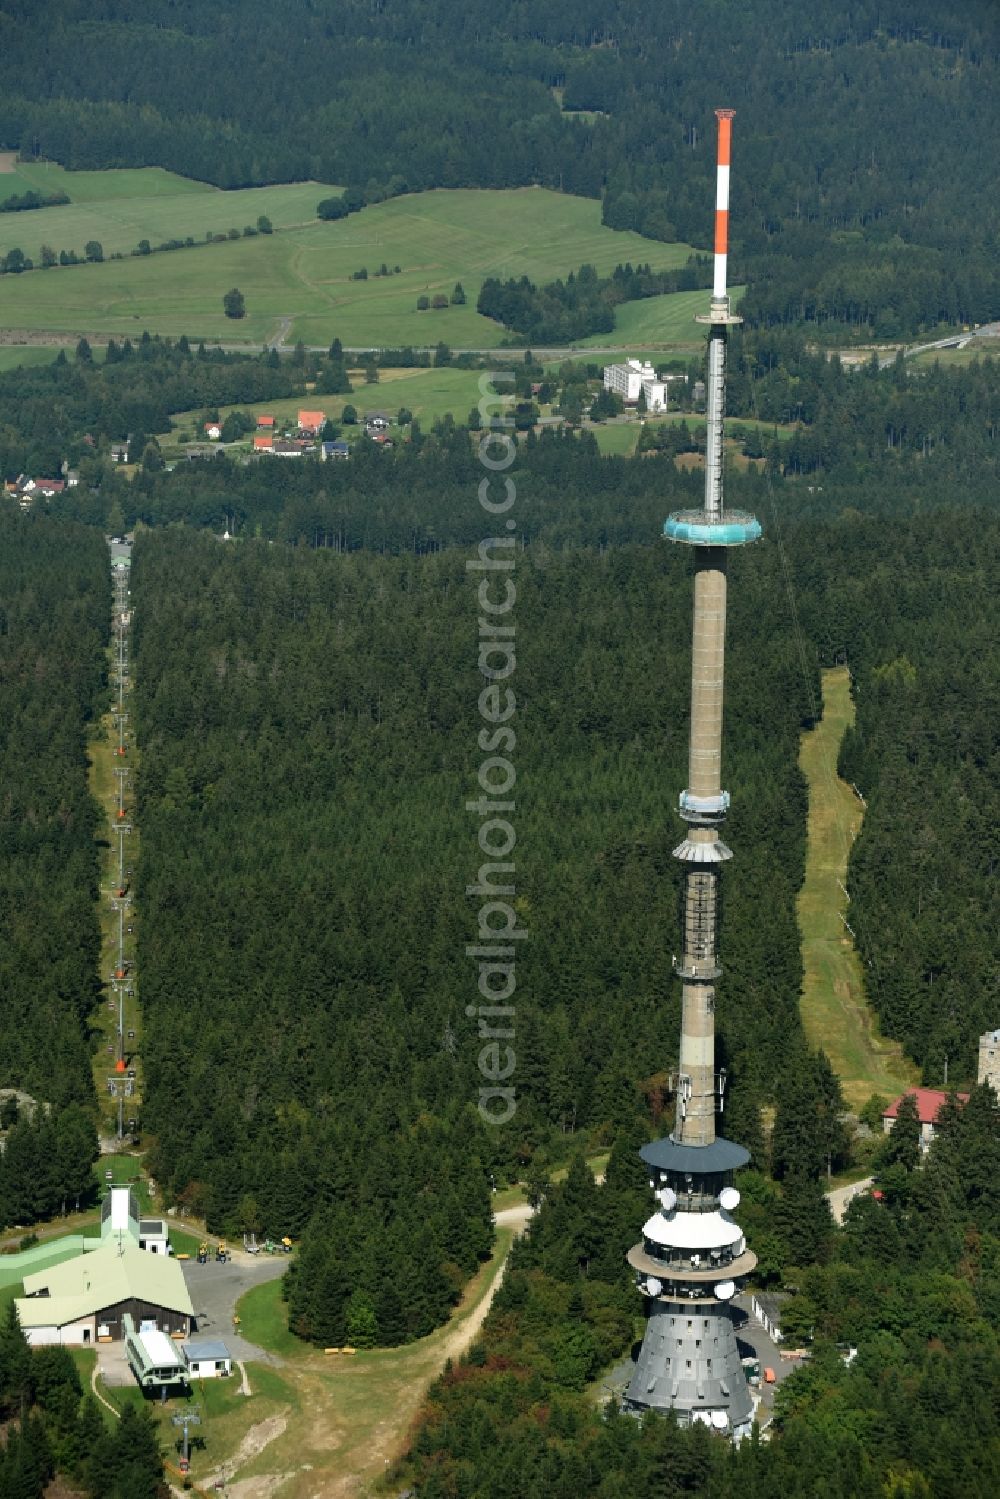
<point>84,1300</point>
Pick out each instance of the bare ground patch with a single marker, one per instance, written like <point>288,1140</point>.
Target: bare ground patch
<point>252,1445</point>
<point>8,161</point>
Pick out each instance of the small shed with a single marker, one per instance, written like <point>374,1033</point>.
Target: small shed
<point>207,1360</point>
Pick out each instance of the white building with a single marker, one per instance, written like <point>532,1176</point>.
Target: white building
<point>627,379</point>
<point>208,1360</point>
<point>989,1059</point>
<point>634,376</point>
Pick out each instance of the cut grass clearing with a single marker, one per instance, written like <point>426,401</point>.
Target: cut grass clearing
<point>305,274</point>
<point>835,1009</point>
<point>350,1414</point>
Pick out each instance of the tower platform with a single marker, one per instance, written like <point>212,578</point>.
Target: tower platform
<point>733,528</point>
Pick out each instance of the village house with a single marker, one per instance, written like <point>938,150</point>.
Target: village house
<point>24,489</point>
<point>334,450</point>
<point>311,422</point>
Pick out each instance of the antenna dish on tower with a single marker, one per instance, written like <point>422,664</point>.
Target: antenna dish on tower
<point>729,1199</point>
<point>725,1290</point>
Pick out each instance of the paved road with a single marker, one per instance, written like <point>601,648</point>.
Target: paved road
<point>215,1290</point>
<point>841,1196</point>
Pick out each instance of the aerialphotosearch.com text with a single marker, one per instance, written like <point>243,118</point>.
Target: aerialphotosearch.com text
<point>498,929</point>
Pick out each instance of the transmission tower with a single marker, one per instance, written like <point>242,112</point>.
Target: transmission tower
<point>692,1257</point>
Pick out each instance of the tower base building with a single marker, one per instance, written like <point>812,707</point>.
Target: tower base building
<point>690,1264</point>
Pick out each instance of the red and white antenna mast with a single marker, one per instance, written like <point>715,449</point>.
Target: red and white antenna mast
<point>725,119</point>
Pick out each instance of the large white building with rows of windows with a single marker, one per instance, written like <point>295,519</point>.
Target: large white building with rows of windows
<point>634,376</point>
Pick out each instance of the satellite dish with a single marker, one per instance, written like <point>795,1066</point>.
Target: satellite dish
<point>729,1198</point>
<point>668,1199</point>
<point>720,1420</point>
<point>653,1286</point>
<point>725,1290</point>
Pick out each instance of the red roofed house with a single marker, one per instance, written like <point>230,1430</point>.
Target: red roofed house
<point>263,442</point>
<point>213,430</point>
<point>312,421</point>
<point>930,1102</point>
<point>265,422</point>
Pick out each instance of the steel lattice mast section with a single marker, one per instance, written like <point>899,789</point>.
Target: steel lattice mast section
<point>693,1256</point>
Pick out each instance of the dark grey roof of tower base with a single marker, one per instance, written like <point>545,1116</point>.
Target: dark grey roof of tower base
<point>721,1155</point>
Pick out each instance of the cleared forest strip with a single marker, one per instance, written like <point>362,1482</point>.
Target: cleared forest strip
<point>104,764</point>
<point>835,1008</point>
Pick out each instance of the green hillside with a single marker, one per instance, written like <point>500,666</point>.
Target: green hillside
<point>119,208</point>
<point>304,274</point>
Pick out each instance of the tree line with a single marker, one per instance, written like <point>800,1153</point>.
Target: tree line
<point>52,1428</point>
<point>856,201</point>
<point>54,623</point>
<point>561,312</point>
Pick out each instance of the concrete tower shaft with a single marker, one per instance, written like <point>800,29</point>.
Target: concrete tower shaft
<point>708,660</point>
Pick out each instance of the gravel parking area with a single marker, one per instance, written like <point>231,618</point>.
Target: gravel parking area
<point>215,1290</point>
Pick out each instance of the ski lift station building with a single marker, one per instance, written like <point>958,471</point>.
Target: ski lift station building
<point>84,1300</point>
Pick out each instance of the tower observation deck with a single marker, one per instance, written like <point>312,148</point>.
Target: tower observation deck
<point>693,1258</point>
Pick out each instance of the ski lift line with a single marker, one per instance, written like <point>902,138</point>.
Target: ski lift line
<point>775,527</point>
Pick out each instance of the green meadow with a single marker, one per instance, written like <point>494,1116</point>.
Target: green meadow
<point>119,208</point>
<point>16,356</point>
<point>658,321</point>
<point>299,280</point>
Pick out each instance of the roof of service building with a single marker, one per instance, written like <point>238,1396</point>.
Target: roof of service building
<point>114,1273</point>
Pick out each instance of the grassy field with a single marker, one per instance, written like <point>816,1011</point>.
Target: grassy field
<point>305,274</point>
<point>119,208</point>
<point>619,439</point>
<point>348,1416</point>
<point>835,1008</point>
<point>979,348</point>
<point>17,356</point>
<point>658,321</point>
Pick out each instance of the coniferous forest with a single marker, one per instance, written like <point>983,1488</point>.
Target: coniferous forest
<point>306,723</point>
<point>54,624</point>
